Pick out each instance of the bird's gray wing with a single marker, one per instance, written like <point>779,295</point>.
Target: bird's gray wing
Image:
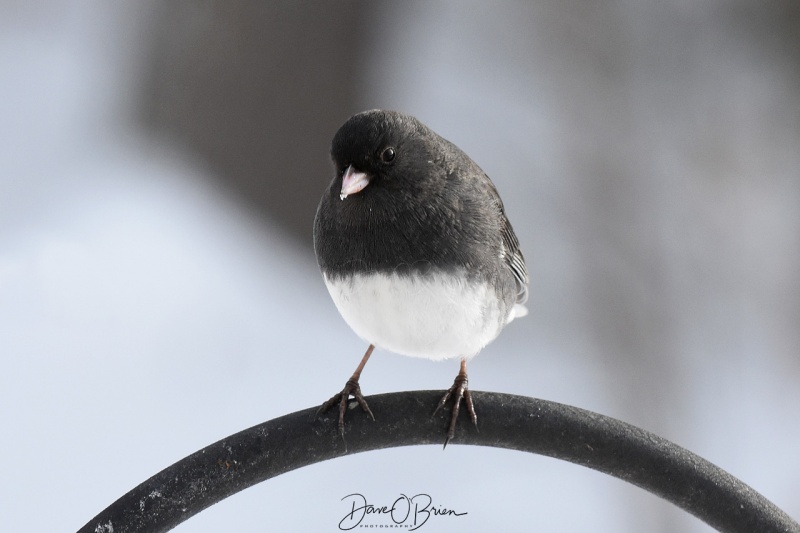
<point>512,255</point>
<point>515,261</point>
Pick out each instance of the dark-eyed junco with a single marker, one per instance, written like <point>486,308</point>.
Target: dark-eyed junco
<point>415,249</point>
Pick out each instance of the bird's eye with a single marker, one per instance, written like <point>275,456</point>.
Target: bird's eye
<point>387,156</point>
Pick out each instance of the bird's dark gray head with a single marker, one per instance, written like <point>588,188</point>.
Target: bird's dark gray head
<point>384,150</point>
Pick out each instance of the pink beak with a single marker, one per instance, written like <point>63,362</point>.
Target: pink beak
<point>353,182</point>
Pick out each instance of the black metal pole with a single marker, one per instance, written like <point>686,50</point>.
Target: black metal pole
<point>404,419</point>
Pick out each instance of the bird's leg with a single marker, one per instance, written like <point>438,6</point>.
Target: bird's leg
<point>351,388</point>
<point>459,390</point>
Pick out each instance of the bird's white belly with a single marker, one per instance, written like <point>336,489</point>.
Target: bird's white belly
<point>435,316</point>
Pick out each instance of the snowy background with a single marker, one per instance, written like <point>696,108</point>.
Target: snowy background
<point>158,289</point>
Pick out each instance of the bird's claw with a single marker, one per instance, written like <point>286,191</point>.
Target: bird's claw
<point>351,388</point>
<point>459,390</point>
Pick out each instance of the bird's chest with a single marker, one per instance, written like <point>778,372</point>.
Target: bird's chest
<point>437,315</point>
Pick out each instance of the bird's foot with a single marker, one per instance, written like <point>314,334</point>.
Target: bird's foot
<point>459,390</point>
<point>351,388</point>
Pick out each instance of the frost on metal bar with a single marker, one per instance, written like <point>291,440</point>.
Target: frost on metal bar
<point>506,421</point>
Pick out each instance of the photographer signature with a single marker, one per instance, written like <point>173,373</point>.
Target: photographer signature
<point>412,512</point>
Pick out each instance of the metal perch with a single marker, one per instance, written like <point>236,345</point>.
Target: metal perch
<point>505,421</point>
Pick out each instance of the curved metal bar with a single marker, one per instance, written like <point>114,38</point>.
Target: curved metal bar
<point>404,419</point>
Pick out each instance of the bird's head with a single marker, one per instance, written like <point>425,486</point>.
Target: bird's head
<point>383,154</point>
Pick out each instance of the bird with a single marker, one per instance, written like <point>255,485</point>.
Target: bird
<point>415,249</point>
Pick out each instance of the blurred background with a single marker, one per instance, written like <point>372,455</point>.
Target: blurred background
<point>160,167</point>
